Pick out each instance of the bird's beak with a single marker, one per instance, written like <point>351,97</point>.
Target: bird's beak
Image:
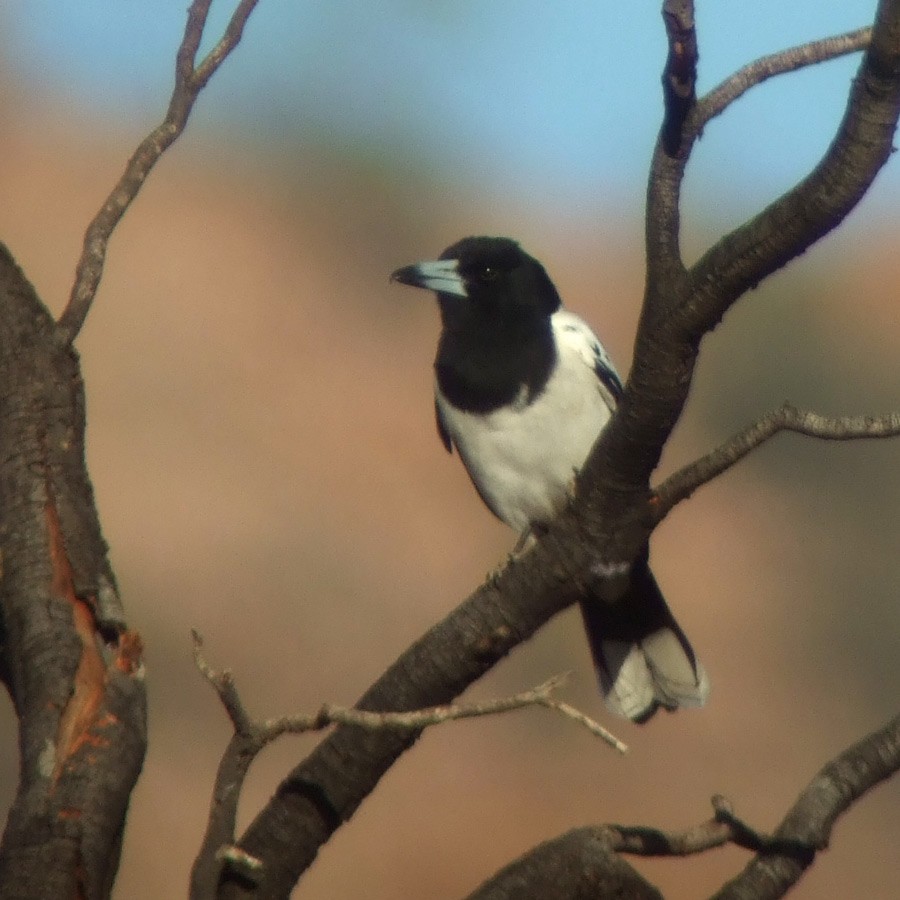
<point>438,275</point>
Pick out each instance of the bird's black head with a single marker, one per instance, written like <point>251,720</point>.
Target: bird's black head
<point>496,302</point>
<point>485,278</point>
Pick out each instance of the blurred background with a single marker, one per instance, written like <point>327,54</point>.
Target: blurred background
<point>260,424</point>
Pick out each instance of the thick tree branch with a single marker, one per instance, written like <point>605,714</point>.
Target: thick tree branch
<point>683,483</point>
<point>189,81</point>
<point>76,680</point>
<point>578,865</point>
<point>72,667</point>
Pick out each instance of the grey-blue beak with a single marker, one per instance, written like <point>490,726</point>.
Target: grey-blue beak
<point>438,275</point>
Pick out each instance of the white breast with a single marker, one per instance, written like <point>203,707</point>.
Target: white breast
<point>523,459</point>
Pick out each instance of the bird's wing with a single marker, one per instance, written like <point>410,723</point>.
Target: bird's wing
<point>575,332</point>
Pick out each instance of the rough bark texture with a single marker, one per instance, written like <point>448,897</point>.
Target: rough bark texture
<point>579,865</point>
<point>72,669</point>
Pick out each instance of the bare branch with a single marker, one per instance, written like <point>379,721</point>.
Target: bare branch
<point>683,483</point>
<point>723,95</point>
<point>806,828</point>
<point>188,84</point>
<point>577,865</point>
<point>223,684</point>
<point>251,737</point>
<point>680,306</point>
<point>672,150</point>
<point>233,34</point>
<point>576,715</point>
<point>819,202</point>
<point>642,841</point>
<point>414,720</point>
<point>76,680</point>
<point>680,75</point>
<point>585,862</point>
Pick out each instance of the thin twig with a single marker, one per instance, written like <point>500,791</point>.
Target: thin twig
<point>223,684</point>
<point>576,715</point>
<point>643,841</point>
<point>189,81</point>
<point>683,483</point>
<point>413,720</point>
<point>723,95</point>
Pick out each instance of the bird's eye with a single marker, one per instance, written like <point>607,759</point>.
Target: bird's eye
<point>488,273</point>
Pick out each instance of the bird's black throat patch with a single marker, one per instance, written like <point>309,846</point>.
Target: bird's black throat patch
<point>481,369</point>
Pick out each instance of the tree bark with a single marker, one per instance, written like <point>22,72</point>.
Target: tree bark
<point>72,668</point>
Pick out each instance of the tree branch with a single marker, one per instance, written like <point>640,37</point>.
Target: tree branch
<point>578,865</point>
<point>806,828</point>
<point>585,862</point>
<point>189,81</point>
<point>681,307</point>
<point>76,680</point>
<point>71,665</point>
<point>680,74</point>
<point>252,736</point>
<point>685,481</point>
<point>413,720</point>
<point>735,86</point>
<point>821,201</point>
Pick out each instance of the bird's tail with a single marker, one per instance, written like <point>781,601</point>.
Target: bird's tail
<point>643,659</point>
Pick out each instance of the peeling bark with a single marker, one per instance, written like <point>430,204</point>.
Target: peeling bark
<point>71,666</point>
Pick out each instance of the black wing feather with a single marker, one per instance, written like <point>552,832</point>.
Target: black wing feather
<point>610,380</point>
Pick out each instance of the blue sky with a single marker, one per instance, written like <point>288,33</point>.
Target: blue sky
<point>553,98</point>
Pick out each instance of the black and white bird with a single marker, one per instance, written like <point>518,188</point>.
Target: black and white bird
<point>523,389</point>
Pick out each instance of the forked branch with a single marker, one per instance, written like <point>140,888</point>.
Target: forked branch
<point>735,86</point>
<point>682,305</point>
<point>190,79</point>
<point>587,861</point>
<point>251,736</point>
<point>684,482</point>
<point>808,824</point>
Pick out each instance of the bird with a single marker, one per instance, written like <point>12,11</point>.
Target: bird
<point>522,390</point>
